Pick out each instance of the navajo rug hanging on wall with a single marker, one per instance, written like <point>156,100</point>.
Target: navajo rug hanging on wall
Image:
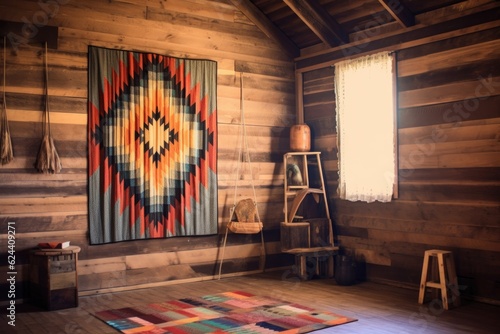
<point>152,146</point>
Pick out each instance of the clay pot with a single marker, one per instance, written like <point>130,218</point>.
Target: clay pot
<point>300,138</point>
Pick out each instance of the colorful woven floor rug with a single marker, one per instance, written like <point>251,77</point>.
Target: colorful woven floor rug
<point>229,312</point>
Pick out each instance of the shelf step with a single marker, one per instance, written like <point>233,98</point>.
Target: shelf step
<point>310,250</point>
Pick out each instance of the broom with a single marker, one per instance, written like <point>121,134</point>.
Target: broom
<point>6,153</point>
<point>47,160</point>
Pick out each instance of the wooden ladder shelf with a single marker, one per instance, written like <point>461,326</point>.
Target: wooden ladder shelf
<point>307,238</point>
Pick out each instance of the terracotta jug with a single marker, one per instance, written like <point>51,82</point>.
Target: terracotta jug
<point>300,138</point>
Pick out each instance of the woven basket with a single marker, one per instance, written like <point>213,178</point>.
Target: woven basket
<point>245,227</point>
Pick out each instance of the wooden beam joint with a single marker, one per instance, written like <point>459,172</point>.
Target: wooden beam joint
<point>399,12</point>
<point>267,27</point>
<point>319,21</point>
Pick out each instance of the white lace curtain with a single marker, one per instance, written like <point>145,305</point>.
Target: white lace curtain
<point>364,89</point>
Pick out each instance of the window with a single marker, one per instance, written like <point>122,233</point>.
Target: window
<point>365,93</point>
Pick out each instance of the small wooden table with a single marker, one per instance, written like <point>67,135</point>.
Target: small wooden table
<point>54,277</point>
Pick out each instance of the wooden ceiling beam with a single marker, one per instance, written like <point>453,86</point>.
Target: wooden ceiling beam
<point>445,27</point>
<point>266,26</point>
<point>320,22</point>
<point>399,12</point>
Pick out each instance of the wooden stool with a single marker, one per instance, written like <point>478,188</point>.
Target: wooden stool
<point>443,278</point>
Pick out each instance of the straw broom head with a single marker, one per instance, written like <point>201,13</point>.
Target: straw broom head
<point>47,160</point>
<point>6,153</point>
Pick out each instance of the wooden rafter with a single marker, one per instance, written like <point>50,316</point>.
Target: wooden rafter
<point>267,27</point>
<point>401,39</point>
<point>399,12</point>
<point>320,22</point>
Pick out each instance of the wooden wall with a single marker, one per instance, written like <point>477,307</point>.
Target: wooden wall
<point>449,125</point>
<point>54,207</point>
<point>449,163</point>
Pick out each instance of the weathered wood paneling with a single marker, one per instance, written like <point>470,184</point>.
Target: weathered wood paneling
<point>448,126</point>
<point>48,207</point>
<point>449,164</point>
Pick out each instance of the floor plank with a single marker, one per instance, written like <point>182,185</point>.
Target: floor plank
<point>380,309</point>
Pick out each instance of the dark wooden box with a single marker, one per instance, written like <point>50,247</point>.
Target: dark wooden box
<point>319,234</point>
<point>54,278</point>
<point>294,235</point>
<point>312,233</point>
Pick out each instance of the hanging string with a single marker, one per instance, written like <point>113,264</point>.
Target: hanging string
<point>247,151</point>
<point>240,144</point>
<point>242,139</point>
<point>4,67</point>
<point>46,118</point>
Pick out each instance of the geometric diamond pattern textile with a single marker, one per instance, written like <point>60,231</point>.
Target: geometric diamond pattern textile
<point>152,133</point>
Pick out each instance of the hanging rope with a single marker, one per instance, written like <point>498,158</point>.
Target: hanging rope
<point>47,160</point>
<point>6,152</point>
<point>243,155</point>
<point>246,210</point>
<point>46,118</point>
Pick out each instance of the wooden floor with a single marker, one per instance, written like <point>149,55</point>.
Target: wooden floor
<point>378,308</point>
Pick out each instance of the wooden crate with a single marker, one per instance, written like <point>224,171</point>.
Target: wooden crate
<point>312,233</point>
<point>54,278</point>
<point>294,235</point>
